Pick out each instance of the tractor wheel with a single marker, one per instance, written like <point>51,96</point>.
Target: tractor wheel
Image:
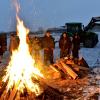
<point>88,43</point>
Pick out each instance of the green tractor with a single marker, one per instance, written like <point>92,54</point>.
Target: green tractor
<point>88,38</point>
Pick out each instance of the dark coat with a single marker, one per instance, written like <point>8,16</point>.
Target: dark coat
<point>48,45</point>
<point>76,42</point>
<point>64,43</point>
<point>48,42</point>
<point>3,43</point>
<point>36,45</point>
<point>13,43</point>
<point>76,46</point>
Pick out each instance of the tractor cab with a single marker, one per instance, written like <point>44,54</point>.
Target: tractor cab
<point>88,38</point>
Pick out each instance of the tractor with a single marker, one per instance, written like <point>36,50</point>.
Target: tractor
<point>88,38</point>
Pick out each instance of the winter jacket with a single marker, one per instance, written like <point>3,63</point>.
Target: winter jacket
<point>36,45</point>
<point>13,43</point>
<point>64,43</point>
<point>48,42</point>
<point>76,42</point>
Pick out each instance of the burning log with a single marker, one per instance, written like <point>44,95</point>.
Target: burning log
<point>71,63</point>
<point>83,63</point>
<point>51,94</point>
<point>57,68</point>
<point>65,68</point>
<point>4,96</point>
<point>48,92</point>
<point>13,93</point>
<point>58,64</point>
<point>52,67</point>
<point>81,67</point>
<point>3,86</point>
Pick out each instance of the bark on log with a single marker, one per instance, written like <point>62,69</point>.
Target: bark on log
<point>74,68</point>
<point>52,67</point>
<point>50,94</point>
<point>81,67</point>
<point>59,65</point>
<point>69,70</point>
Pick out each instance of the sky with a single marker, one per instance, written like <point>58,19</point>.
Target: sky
<point>47,13</point>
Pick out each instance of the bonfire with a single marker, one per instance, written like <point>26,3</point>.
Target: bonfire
<point>21,70</point>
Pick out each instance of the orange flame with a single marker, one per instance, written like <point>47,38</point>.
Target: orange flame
<point>21,69</point>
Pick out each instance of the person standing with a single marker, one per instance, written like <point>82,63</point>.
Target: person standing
<point>36,46</point>
<point>13,43</point>
<point>76,46</point>
<point>48,45</point>
<point>64,45</point>
<point>29,42</point>
<point>3,44</point>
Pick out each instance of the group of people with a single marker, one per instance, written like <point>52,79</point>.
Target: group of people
<point>67,46</point>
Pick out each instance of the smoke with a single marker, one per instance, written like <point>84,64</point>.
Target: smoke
<point>16,5</point>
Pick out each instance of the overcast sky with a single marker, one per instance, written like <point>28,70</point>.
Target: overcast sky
<point>47,13</point>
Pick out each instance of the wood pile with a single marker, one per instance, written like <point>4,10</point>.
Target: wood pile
<point>67,66</point>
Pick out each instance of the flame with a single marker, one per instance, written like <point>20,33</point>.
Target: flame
<point>21,70</point>
<point>16,4</point>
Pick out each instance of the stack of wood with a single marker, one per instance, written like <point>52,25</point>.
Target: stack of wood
<point>68,66</point>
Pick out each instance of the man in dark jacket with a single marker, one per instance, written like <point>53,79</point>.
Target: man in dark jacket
<point>48,45</point>
<point>64,45</point>
<point>76,46</point>
<point>36,46</point>
<point>3,44</point>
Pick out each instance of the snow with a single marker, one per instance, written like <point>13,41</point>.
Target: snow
<point>90,92</point>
